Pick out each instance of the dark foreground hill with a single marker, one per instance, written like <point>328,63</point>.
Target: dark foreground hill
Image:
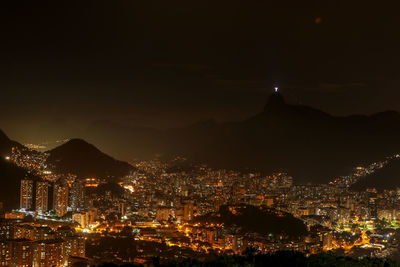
<point>288,258</point>
<point>252,219</point>
<point>279,259</point>
<point>85,160</point>
<point>385,178</point>
<point>309,144</point>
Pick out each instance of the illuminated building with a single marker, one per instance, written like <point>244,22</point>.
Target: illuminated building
<point>26,194</point>
<point>27,253</point>
<point>233,242</point>
<point>5,253</point>
<point>80,217</point>
<point>27,245</point>
<point>188,210</point>
<point>60,199</point>
<point>269,201</point>
<point>33,233</point>
<point>42,196</point>
<point>179,215</point>
<point>78,195</point>
<point>75,246</point>
<point>14,215</point>
<point>22,253</point>
<point>163,214</point>
<point>218,202</point>
<point>51,253</point>
<point>386,214</point>
<point>211,236</point>
<point>122,208</point>
<point>6,230</point>
<point>84,218</point>
<point>327,240</point>
<point>23,232</point>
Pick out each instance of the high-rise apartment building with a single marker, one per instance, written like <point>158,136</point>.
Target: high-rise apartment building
<point>26,194</point>
<point>60,199</point>
<point>188,210</point>
<point>78,195</point>
<point>42,196</point>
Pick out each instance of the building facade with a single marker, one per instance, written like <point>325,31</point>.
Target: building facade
<point>60,199</point>
<point>42,196</point>
<point>26,194</point>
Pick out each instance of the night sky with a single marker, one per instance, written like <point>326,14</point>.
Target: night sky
<point>67,64</point>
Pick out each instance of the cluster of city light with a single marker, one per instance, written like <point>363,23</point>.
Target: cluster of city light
<point>158,202</point>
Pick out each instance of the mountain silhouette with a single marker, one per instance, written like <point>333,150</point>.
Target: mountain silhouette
<point>309,144</point>
<point>85,160</point>
<point>6,144</point>
<point>10,174</point>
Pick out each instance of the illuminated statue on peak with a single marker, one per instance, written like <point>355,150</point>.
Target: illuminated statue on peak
<point>275,100</point>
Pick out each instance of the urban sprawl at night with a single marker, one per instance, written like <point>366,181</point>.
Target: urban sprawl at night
<point>175,210</point>
<point>212,133</point>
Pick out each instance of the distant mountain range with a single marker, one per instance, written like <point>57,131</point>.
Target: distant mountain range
<point>309,144</point>
<point>85,160</point>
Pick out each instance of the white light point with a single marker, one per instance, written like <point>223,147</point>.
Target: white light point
<point>276,89</point>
